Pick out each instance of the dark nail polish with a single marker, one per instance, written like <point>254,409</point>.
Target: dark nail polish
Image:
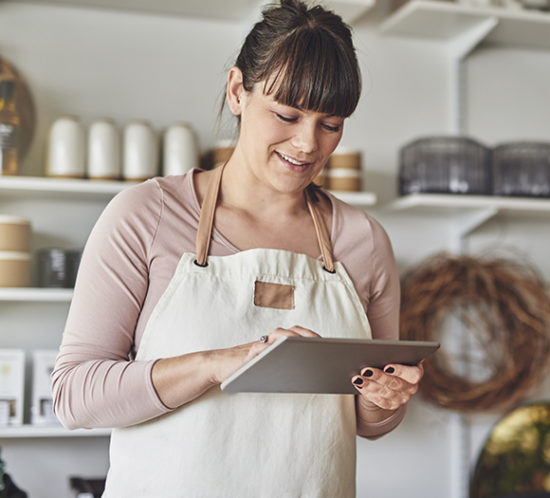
<point>368,373</point>
<point>389,370</point>
<point>358,381</point>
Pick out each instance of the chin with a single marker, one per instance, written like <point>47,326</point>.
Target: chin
<point>290,185</point>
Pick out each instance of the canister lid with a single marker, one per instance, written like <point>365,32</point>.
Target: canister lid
<point>14,255</point>
<point>8,218</point>
<point>344,173</point>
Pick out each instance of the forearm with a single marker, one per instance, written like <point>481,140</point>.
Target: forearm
<point>372,421</point>
<point>91,393</point>
<point>182,379</point>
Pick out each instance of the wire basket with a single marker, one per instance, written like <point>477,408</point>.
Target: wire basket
<point>456,165</point>
<point>522,169</point>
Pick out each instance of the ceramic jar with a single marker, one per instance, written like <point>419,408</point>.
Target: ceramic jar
<point>15,233</point>
<point>15,269</point>
<point>103,151</point>
<point>180,150</point>
<point>66,148</point>
<point>140,152</point>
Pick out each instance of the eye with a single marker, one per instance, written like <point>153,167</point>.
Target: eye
<point>286,119</point>
<point>331,128</point>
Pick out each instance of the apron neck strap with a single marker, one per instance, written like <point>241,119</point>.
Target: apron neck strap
<point>323,235</point>
<point>208,209</point>
<point>206,220</point>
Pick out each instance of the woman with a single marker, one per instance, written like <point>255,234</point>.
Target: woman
<point>177,282</point>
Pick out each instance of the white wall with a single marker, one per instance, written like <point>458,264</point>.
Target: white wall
<point>96,63</point>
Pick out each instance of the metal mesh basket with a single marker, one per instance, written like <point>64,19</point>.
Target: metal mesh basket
<point>457,165</point>
<point>522,169</point>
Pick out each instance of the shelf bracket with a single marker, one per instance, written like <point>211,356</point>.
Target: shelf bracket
<point>464,44</point>
<point>466,224</point>
<point>459,49</point>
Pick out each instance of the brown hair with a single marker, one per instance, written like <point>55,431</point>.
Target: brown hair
<point>304,56</point>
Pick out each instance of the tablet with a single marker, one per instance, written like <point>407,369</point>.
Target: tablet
<point>319,365</point>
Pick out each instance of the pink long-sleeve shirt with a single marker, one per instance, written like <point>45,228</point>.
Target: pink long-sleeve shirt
<point>127,263</point>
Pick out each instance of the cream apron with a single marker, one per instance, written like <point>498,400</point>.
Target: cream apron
<point>244,445</point>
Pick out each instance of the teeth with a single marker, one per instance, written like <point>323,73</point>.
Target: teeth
<point>290,160</point>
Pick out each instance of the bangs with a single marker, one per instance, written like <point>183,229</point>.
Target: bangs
<point>310,71</point>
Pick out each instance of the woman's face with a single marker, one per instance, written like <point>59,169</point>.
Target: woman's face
<point>286,147</point>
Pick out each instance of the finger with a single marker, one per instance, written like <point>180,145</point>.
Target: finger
<point>411,374</point>
<point>391,382</point>
<point>280,332</point>
<point>304,332</point>
<point>382,396</point>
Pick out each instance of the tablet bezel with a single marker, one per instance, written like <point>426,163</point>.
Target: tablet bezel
<point>320,365</point>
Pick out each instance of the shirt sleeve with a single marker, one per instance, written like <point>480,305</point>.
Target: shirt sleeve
<point>384,287</point>
<point>383,295</point>
<point>95,382</point>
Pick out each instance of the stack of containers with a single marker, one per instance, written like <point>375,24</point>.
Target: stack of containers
<point>344,170</point>
<point>15,257</point>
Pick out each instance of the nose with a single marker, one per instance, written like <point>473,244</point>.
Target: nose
<point>305,139</point>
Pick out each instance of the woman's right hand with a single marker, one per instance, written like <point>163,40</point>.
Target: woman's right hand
<point>228,360</point>
<point>181,379</point>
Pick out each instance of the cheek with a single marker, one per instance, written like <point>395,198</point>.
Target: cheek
<point>330,143</point>
<point>265,132</point>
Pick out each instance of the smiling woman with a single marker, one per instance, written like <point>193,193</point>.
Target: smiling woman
<point>184,279</point>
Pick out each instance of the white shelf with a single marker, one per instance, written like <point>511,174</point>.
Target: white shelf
<point>55,188</point>
<point>469,212</point>
<point>449,22</point>
<point>224,10</point>
<point>35,294</point>
<point>32,431</point>
<point>359,199</point>
<point>450,202</point>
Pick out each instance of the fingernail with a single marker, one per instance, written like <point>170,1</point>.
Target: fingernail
<point>389,370</point>
<point>367,372</point>
<point>358,381</point>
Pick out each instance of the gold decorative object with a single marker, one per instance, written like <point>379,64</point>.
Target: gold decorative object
<point>515,460</point>
<point>24,104</point>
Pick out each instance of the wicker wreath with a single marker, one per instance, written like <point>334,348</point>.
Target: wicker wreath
<point>498,309</point>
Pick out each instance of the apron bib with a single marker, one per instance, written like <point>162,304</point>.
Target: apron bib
<point>244,445</point>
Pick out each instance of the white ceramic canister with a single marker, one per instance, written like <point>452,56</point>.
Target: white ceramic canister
<point>15,269</point>
<point>66,148</point>
<point>180,150</point>
<point>103,150</point>
<point>15,233</point>
<point>140,152</point>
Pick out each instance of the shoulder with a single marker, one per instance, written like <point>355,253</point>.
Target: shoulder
<point>353,225</point>
<point>364,248</point>
<point>149,197</point>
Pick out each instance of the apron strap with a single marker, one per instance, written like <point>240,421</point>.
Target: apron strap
<point>323,236</point>
<point>208,209</point>
<point>206,220</point>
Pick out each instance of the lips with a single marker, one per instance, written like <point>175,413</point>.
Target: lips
<point>293,163</point>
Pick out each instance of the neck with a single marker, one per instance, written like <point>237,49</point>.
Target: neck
<point>242,189</point>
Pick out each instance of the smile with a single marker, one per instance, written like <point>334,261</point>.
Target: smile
<point>291,160</point>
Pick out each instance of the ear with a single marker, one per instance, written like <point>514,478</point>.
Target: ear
<point>235,90</point>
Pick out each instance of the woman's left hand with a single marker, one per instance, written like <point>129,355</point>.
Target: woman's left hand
<point>390,388</point>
